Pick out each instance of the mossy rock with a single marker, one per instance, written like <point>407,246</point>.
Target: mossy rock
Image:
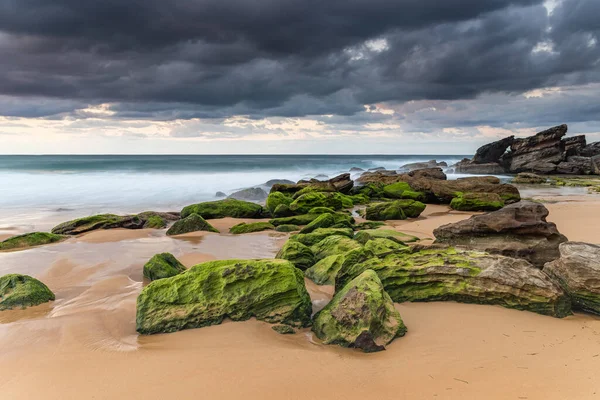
<point>346,200</point>
<point>371,190</point>
<point>395,190</point>
<point>321,210</point>
<point>331,245</point>
<point>225,208</point>
<point>322,221</point>
<point>477,202</point>
<point>155,222</point>
<point>361,315</point>
<point>269,290</point>
<point>252,227</point>
<point>411,195</point>
<point>191,223</point>
<point>368,225</point>
<point>324,271</point>
<point>313,189</point>
<point>30,240</point>
<point>21,291</point>
<point>382,247</point>
<point>308,201</point>
<point>282,210</point>
<point>394,210</point>
<point>309,239</point>
<point>448,274</point>
<point>297,253</point>
<point>94,222</point>
<point>276,199</point>
<point>369,234</point>
<point>283,329</point>
<point>163,265</point>
<point>360,199</point>
<point>303,219</point>
<point>287,228</point>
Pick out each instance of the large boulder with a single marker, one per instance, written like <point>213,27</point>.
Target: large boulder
<point>335,244</point>
<point>574,145</point>
<point>575,165</point>
<point>21,291</point>
<point>432,173</point>
<point>449,274</point>
<point>519,230</point>
<point>30,240</point>
<point>536,153</point>
<point>224,208</point>
<point>148,219</point>
<point>394,210</point>
<point>314,237</point>
<point>361,315</point>
<point>163,265</point>
<point>269,290</point>
<point>250,194</point>
<point>342,183</point>
<point>191,223</point>
<point>491,152</point>
<point>577,271</point>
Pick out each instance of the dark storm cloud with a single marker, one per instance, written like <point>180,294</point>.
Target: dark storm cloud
<point>216,58</point>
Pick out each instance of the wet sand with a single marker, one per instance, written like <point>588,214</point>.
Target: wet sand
<point>84,344</point>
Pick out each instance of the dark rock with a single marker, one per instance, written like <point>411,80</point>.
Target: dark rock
<point>591,150</point>
<point>519,230</point>
<point>342,183</point>
<point>220,194</point>
<point>469,167</point>
<point>491,152</point>
<point>576,165</point>
<point>535,153</point>
<point>377,169</point>
<point>432,173</point>
<point>574,145</point>
<point>422,165</point>
<point>356,169</point>
<point>250,194</point>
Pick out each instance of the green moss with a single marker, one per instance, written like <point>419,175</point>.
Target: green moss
<point>161,266</point>
<point>283,329</point>
<point>306,202</point>
<point>252,227</point>
<point>371,190</point>
<point>224,208</point>
<point>360,199</point>
<point>360,315</point>
<point>346,200</point>
<point>324,271</point>
<point>313,189</point>
<point>86,224</point>
<point>30,240</point>
<point>191,223</point>
<point>282,210</point>
<point>395,190</point>
<point>477,202</point>
<point>382,246</point>
<point>287,228</point>
<point>269,290</point>
<point>418,196</point>
<point>310,239</point>
<point>297,253</point>
<point>326,221</point>
<point>394,210</point>
<point>304,219</point>
<point>321,210</point>
<point>155,222</point>
<point>276,199</point>
<point>331,245</point>
<point>21,291</point>
<point>369,234</point>
<point>368,225</point>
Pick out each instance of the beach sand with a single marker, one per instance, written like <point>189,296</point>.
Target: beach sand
<point>84,344</point>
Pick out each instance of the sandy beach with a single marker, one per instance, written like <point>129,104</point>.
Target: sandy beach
<point>84,344</point>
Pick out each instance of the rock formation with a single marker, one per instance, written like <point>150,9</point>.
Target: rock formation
<point>161,266</point>
<point>21,291</point>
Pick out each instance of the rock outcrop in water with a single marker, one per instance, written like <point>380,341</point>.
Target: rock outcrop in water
<point>21,291</point>
<point>361,315</point>
<point>519,230</point>
<point>30,240</point>
<point>578,272</point>
<point>547,152</point>
<point>206,294</point>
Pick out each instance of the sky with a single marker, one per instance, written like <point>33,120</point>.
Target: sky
<point>293,76</point>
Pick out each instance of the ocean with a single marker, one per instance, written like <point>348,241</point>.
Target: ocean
<point>57,187</point>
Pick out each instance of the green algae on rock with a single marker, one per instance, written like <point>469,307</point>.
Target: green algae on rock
<point>322,221</point>
<point>276,199</point>
<point>303,219</point>
<point>147,219</point>
<point>335,244</point>
<point>477,202</point>
<point>361,315</point>
<point>368,225</point>
<point>395,190</point>
<point>306,202</point>
<point>324,271</point>
<point>297,253</point>
<point>206,294</point>
<point>21,291</point>
<point>309,239</point>
<point>287,228</point>
<point>282,210</point>
<point>30,240</point>
<point>383,246</point>
<point>251,227</point>
<point>163,265</point>
<point>225,208</point>
<point>191,223</point>
<point>369,234</point>
<point>399,209</point>
<point>321,210</point>
<point>283,329</point>
<point>441,274</point>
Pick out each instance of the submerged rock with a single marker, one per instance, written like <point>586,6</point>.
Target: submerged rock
<point>250,194</point>
<point>519,230</point>
<point>191,223</point>
<point>252,227</point>
<point>30,240</point>
<point>394,210</point>
<point>361,315</point>
<point>477,202</point>
<point>269,290</point>
<point>441,274</point>
<point>577,271</point>
<point>21,291</point>
<point>163,265</point>
<point>224,208</point>
<point>298,254</point>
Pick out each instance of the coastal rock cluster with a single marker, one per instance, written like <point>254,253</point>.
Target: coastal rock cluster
<point>547,152</point>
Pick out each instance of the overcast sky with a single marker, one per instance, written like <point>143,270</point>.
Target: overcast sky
<point>293,76</point>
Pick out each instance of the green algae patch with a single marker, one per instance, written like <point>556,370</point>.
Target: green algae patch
<point>269,290</point>
<point>324,271</point>
<point>368,225</point>
<point>395,190</point>
<point>275,199</point>
<point>303,219</point>
<point>252,227</point>
<point>327,220</point>
<point>331,245</point>
<point>224,208</point>
<point>477,202</point>
<point>163,265</point>
<point>21,291</point>
<point>304,203</point>
<point>155,222</point>
<point>370,190</point>
<point>191,223</point>
<point>361,315</point>
<point>30,240</point>
<point>394,210</point>
<point>309,239</point>
<point>369,234</point>
<point>321,210</point>
<point>383,246</point>
<point>86,224</point>
<point>411,195</point>
<point>287,228</point>
<point>297,253</point>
